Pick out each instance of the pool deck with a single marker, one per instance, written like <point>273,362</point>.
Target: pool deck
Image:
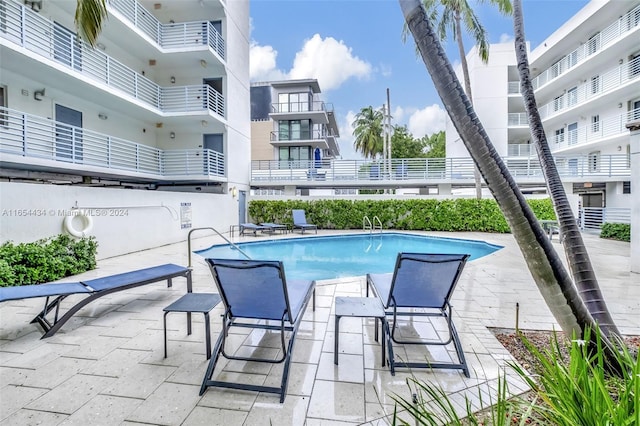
<point>106,365</point>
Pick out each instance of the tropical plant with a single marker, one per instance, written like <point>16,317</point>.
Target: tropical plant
<point>404,145</point>
<point>435,145</point>
<point>449,16</point>
<point>90,14</point>
<point>368,132</point>
<point>575,250</point>
<point>543,262</point>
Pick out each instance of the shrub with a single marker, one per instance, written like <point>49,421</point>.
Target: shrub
<point>45,260</point>
<point>412,214</point>
<point>616,231</point>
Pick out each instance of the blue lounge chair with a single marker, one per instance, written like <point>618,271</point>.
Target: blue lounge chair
<point>93,289</point>
<point>251,227</point>
<point>421,285</point>
<point>273,227</point>
<point>300,221</point>
<point>254,293</point>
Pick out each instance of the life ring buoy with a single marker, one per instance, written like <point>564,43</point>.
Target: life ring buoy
<point>87,225</point>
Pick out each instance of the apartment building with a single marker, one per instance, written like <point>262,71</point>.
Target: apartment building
<point>586,77</point>
<point>293,133</point>
<point>152,124</point>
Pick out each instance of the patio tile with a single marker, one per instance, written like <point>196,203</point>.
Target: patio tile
<point>269,411</point>
<point>350,368</point>
<point>14,398</point>
<point>170,404</point>
<point>209,416</point>
<point>139,381</point>
<point>33,417</point>
<point>337,401</point>
<point>72,394</point>
<point>103,410</point>
<point>64,368</point>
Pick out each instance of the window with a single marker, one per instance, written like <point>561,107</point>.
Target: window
<point>294,102</point>
<point>594,161</point>
<point>635,110</point>
<point>556,69</point>
<point>560,135</point>
<point>595,123</point>
<point>634,65</point>
<point>628,156</point>
<point>572,133</point>
<point>593,45</point>
<point>626,187</point>
<point>572,96</point>
<point>558,103</point>
<point>595,84</point>
<point>3,105</point>
<point>297,156</point>
<point>572,59</point>
<point>294,130</point>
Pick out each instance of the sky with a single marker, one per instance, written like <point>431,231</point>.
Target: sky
<point>355,50</point>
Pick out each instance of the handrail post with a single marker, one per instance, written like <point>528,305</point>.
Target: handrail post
<point>219,234</point>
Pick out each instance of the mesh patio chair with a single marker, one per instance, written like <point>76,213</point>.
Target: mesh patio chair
<point>256,294</point>
<point>300,221</point>
<point>421,285</point>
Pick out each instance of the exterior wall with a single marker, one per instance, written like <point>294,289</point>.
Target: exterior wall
<point>634,261</point>
<point>261,148</point>
<point>34,211</point>
<point>489,92</point>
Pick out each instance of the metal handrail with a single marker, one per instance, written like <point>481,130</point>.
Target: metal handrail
<point>366,224</point>
<point>377,219</point>
<point>219,234</point>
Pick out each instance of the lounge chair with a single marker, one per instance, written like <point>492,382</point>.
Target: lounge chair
<point>92,289</point>
<point>254,293</point>
<point>421,285</point>
<point>251,227</point>
<point>273,227</point>
<point>300,221</point>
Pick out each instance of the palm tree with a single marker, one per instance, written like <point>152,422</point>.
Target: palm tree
<point>451,18</point>
<point>575,250</point>
<point>368,132</point>
<point>545,265</point>
<point>90,14</point>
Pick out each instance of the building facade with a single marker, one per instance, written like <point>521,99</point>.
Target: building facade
<point>292,130</point>
<point>154,119</point>
<point>586,78</point>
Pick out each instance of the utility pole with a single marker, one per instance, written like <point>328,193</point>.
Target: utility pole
<point>388,133</point>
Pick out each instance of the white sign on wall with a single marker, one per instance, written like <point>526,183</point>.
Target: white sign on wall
<point>185,215</point>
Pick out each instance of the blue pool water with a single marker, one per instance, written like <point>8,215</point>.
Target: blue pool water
<point>321,258</point>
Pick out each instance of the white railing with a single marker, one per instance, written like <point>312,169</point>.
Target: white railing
<point>172,35</point>
<point>421,169</point>
<point>616,30</point>
<point>303,106</point>
<point>35,137</point>
<point>513,88</point>
<point>604,83</point>
<point>518,119</point>
<point>51,41</point>
<point>605,128</point>
<point>593,217</point>
<point>520,150</point>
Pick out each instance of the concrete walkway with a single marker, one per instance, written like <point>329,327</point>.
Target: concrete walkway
<point>106,365</point>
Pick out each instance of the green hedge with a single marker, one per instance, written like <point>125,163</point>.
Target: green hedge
<point>45,260</point>
<point>415,214</point>
<point>616,231</point>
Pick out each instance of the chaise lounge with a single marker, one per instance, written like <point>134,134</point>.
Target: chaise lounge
<point>93,289</point>
<point>300,221</point>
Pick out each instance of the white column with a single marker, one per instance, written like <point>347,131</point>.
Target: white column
<point>634,261</point>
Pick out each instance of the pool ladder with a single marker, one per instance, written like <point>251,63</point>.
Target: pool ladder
<point>371,226</point>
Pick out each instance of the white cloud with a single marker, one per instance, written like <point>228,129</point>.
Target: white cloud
<point>506,38</point>
<point>427,121</point>
<point>330,61</point>
<point>262,63</point>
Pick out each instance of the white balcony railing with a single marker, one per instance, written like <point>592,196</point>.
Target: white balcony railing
<point>513,87</point>
<point>51,41</point>
<point>616,30</point>
<point>35,137</point>
<point>605,128</point>
<point>518,119</point>
<point>293,107</point>
<point>520,150</point>
<point>169,36</point>
<point>606,82</point>
<point>429,169</point>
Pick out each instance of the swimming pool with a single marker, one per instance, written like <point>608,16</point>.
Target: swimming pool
<point>350,255</point>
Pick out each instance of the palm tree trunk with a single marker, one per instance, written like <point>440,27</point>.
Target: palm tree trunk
<point>546,267</point>
<point>575,250</point>
<point>467,89</point>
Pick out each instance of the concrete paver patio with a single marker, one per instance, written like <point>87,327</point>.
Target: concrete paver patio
<point>106,365</point>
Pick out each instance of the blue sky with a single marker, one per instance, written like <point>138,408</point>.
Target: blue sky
<point>355,50</point>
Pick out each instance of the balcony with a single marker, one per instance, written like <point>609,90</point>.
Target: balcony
<point>315,110</point>
<point>513,87</point>
<point>520,150</point>
<point>604,83</point>
<point>517,119</point>
<point>168,37</point>
<point>53,145</point>
<point>420,171</point>
<point>608,127</point>
<point>618,29</point>
<point>50,41</point>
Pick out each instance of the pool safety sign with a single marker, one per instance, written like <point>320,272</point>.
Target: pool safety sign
<point>185,215</point>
